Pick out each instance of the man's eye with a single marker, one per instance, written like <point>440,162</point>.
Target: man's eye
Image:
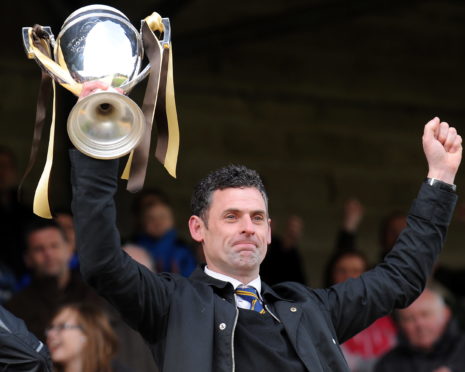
<point>258,218</point>
<point>230,217</point>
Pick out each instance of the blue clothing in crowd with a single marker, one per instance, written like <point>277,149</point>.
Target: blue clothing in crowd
<point>169,253</point>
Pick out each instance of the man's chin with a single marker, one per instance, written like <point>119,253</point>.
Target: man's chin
<point>247,262</point>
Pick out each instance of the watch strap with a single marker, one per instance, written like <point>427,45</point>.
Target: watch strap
<point>434,182</point>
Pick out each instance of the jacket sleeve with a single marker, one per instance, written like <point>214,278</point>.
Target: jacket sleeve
<point>141,296</point>
<point>401,277</point>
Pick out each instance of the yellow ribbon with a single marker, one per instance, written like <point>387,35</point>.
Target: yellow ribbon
<point>173,126</point>
<point>41,205</point>
<point>63,75</point>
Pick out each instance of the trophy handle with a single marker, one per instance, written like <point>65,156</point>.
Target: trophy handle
<point>58,73</point>
<point>164,27</point>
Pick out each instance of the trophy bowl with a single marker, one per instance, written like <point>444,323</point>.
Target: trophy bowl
<point>98,42</point>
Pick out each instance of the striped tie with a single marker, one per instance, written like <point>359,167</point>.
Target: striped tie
<point>250,295</point>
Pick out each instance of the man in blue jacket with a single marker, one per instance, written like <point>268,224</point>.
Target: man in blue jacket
<point>204,323</point>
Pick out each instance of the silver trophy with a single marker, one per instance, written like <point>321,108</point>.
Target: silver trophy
<point>98,42</point>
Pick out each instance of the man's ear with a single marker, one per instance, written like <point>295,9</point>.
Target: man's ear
<point>196,228</point>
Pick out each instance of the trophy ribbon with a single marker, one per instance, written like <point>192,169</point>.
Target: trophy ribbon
<point>159,102</point>
<point>136,167</point>
<point>166,117</point>
<point>41,206</point>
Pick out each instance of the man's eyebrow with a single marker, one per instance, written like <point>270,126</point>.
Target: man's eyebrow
<point>236,210</point>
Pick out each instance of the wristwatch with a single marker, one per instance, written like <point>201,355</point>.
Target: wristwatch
<point>441,184</point>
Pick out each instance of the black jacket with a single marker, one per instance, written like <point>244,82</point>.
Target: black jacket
<point>190,322</point>
<point>449,351</point>
<point>20,350</point>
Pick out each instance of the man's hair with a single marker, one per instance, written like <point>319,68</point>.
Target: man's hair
<point>40,224</point>
<point>231,176</point>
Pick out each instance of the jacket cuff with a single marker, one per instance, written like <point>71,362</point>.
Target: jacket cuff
<point>435,205</point>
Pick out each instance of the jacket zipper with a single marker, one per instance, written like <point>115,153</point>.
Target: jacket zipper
<point>232,340</point>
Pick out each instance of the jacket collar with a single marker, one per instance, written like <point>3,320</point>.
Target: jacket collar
<point>199,275</point>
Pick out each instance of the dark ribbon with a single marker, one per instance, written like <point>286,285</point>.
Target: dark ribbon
<point>160,112</point>
<point>39,38</point>
<point>141,152</point>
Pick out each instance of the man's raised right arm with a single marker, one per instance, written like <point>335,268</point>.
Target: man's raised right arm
<point>141,296</point>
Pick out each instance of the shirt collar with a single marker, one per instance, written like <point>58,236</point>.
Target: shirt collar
<point>256,283</point>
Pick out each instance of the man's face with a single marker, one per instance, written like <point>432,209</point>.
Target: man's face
<point>157,220</point>
<point>48,254</point>
<point>237,231</point>
<point>424,321</point>
<point>348,266</point>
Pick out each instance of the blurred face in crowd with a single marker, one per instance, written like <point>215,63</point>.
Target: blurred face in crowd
<point>157,220</point>
<point>48,253</point>
<point>65,338</point>
<point>140,255</point>
<point>348,266</point>
<point>425,320</point>
<point>236,232</point>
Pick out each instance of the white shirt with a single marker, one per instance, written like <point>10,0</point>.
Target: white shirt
<point>240,302</point>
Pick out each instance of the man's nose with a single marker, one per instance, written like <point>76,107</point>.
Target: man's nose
<point>248,226</point>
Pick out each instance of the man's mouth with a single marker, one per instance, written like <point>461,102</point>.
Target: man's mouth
<point>246,245</point>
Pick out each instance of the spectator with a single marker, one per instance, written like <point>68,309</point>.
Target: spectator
<point>47,255</point>
<point>365,348</point>
<point>53,283</point>
<point>160,238</point>
<point>430,339</point>
<point>80,339</point>
<point>140,255</point>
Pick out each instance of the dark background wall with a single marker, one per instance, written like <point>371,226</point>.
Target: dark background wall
<point>326,99</point>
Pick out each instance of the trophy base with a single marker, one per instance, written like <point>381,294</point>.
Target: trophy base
<point>106,125</point>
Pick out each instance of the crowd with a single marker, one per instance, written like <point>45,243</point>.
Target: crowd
<point>41,284</point>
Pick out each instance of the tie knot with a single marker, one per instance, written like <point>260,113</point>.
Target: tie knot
<point>250,295</point>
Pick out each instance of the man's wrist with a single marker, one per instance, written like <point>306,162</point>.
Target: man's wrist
<point>434,182</point>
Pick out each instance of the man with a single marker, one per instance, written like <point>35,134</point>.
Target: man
<point>201,324</point>
<point>158,235</point>
<point>47,256</point>
<point>432,341</point>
